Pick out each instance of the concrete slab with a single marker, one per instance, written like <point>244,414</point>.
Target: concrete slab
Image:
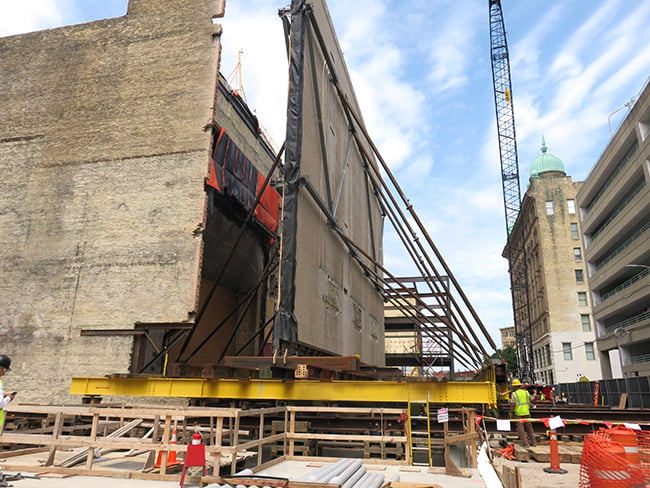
<point>90,482</point>
<point>534,476</point>
<point>411,474</point>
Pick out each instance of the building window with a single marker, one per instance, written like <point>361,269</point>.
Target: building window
<point>574,231</point>
<point>566,349</point>
<point>571,206</point>
<point>580,276</point>
<point>577,254</point>
<point>549,207</point>
<point>582,298</point>
<point>586,322</point>
<point>589,351</point>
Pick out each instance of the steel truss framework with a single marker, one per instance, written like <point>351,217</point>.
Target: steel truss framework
<point>515,249</point>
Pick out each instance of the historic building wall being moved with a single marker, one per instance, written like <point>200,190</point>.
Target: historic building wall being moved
<point>124,242</point>
<point>104,152</point>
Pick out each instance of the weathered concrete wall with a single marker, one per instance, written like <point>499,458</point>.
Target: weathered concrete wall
<point>103,154</point>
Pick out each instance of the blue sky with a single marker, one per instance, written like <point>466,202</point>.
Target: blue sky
<point>421,71</point>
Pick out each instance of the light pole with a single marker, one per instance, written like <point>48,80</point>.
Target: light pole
<point>609,119</point>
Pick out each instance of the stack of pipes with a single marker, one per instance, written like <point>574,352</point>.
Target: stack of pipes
<point>347,473</point>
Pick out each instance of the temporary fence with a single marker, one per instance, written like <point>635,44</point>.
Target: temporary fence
<point>635,389</point>
<point>616,457</point>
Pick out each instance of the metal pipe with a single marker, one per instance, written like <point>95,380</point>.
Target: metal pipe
<point>356,476</point>
<point>347,473</point>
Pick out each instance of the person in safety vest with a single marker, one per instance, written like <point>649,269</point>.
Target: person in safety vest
<point>5,363</point>
<point>520,409</point>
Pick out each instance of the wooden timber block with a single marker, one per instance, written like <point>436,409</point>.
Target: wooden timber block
<point>461,472</point>
<point>511,477</point>
<point>541,454</point>
<point>572,452</point>
<point>567,454</point>
<point>56,475</point>
<point>522,454</point>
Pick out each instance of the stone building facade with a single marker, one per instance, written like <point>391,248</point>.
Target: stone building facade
<point>561,325</point>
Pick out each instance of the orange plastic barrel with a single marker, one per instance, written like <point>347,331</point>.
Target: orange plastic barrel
<point>627,438</point>
<point>610,469</point>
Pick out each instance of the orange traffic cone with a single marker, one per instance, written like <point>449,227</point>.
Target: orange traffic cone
<point>555,456</point>
<point>171,455</point>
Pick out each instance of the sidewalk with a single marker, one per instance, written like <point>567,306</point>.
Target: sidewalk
<point>533,475</point>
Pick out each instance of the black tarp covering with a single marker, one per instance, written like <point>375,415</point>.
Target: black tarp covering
<point>286,326</point>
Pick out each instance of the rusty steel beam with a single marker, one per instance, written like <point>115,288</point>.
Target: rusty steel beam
<point>334,363</point>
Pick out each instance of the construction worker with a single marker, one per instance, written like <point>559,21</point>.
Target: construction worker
<point>520,409</point>
<point>5,363</point>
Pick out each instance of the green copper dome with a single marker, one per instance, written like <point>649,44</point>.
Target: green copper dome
<point>546,164</point>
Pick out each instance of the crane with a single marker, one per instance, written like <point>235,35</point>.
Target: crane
<point>515,249</point>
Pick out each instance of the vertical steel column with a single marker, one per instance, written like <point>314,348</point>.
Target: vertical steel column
<point>286,325</point>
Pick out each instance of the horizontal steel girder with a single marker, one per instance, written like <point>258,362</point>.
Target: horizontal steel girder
<point>306,390</point>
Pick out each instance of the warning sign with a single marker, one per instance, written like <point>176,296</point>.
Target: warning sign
<point>443,415</point>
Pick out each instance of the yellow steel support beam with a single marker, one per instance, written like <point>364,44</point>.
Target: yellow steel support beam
<point>315,390</point>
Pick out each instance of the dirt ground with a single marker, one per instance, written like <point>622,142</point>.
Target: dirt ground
<point>533,475</point>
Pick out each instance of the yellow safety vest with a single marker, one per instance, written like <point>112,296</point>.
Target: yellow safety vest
<point>2,412</point>
<point>521,399</point>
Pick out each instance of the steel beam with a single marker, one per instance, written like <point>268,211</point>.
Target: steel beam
<point>290,390</point>
<point>335,363</point>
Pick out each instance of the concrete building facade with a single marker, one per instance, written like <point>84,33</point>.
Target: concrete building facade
<point>508,337</point>
<point>615,210</point>
<point>561,326</point>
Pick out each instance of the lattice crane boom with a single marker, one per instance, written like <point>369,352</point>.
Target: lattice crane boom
<point>511,189</point>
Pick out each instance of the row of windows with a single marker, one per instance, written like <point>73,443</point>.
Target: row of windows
<point>570,204</point>
<point>567,351</point>
<point>542,356</point>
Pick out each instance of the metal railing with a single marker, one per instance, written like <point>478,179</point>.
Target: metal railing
<point>624,285</point>
<point>626,323</point>
<point>612,177</point>
<point>618,210</point>
<point>622,247</point>
<point>643,358</point>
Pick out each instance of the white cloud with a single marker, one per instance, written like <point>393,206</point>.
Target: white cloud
<point>264,64</point>
<point>451,47</point>
<point>30,15</point>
